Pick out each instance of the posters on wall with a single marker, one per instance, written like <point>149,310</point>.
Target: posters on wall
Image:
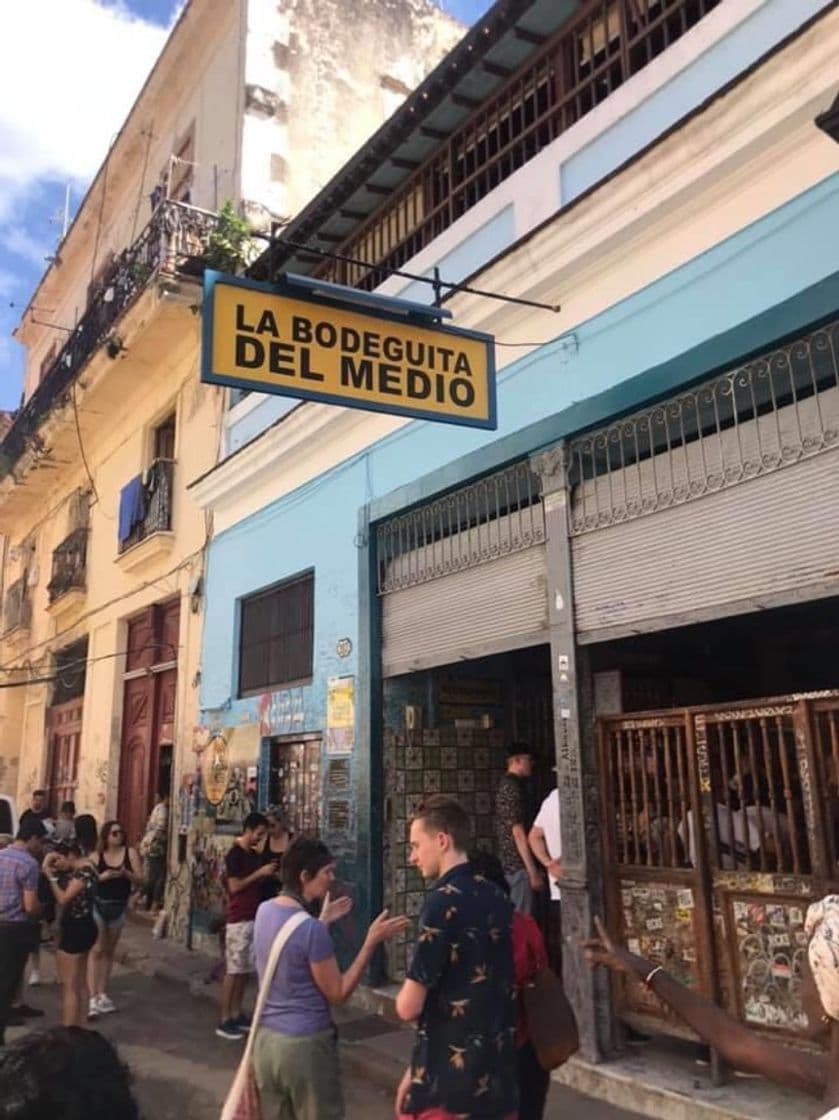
<point>340,715</point>
<point>231,776</point>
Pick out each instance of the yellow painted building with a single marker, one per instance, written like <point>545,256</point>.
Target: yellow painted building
<point>103,549</point>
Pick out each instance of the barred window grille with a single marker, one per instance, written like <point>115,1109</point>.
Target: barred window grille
<point>764,415</point>
<point>587,59</point>
<point>492,517</point>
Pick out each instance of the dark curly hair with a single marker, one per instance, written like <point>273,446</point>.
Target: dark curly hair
<point>65,1072</point>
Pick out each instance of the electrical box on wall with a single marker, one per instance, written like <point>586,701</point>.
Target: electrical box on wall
<point>413,717</point>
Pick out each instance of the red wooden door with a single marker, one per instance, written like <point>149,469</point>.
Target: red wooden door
<point>136,756</point>
<point>148,719</point>
<point>65,730</point>
<point>166,684</point>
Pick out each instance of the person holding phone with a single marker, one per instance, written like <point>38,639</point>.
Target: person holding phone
<point>276,844</point>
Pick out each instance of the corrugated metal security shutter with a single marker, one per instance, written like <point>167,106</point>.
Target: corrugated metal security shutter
<point>726,552</point>
<point>499,605</point>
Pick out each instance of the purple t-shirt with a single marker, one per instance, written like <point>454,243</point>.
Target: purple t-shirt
<point>295,1004</point>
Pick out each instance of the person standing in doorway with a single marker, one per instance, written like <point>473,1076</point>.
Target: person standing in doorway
<point>119,870</point>
<point>512,823</point>
<point>18,906</point>
<point>459,986</point>
<point>153,848</point>
<point>546,844</point>
<point>246,875</point>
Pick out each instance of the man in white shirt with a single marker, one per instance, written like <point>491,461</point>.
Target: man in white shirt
<point>545,842</point>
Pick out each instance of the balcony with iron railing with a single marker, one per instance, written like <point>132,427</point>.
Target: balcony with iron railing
<point>174,242</point>
<point>69,565</point>
<point>585,62</point>
<point>146,506</point>
<point>17,607</point>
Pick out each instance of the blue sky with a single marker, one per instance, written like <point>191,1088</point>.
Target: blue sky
<point>59,109</point>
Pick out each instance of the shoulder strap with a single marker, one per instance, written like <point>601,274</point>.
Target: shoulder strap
<point>289,926</point>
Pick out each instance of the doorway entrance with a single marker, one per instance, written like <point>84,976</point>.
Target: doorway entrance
<point>64,724</point>
<point>148,722</point>
<point>445,731</point>
<point>294,782</point>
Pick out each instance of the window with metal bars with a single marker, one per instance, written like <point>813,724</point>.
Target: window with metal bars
<point>586,61</point>
<point>276,641</point>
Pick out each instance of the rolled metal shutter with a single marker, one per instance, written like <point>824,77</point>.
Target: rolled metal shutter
<point>498,605</point>
<point>723,554</point>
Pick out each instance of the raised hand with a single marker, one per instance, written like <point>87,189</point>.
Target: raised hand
<point>333,910</point>
<point>384,928</point>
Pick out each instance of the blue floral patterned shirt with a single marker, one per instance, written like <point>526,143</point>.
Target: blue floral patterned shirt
<point>464,1059</point>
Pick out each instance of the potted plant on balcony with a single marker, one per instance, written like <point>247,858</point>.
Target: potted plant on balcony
<point>230,246</point>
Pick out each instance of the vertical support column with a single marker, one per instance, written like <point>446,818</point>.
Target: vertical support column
<point>582,884</point>
<point>809,772</point>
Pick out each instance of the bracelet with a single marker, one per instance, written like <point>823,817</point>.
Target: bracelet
<point>648,979</point>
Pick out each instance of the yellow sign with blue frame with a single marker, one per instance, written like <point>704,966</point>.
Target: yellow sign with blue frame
<point>293,341</point>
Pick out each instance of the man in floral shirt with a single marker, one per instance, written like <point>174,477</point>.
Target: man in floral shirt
<point>460,982</point>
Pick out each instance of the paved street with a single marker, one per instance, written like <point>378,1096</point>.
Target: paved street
<point>182,1070</point>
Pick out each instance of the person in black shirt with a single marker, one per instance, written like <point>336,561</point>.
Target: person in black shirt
<point>459,986</point>
<point>38,809</point>
<point>513,819</point>
<point>276,845</point>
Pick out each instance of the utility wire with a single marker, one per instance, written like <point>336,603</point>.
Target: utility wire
<point>81,443</point>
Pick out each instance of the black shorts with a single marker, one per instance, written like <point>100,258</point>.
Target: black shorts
<point>78,936</point>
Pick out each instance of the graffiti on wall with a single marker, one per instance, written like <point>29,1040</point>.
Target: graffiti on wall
<point>216,768</point>
<point>231,762</point>
<point>282,713</point>
<point>208,889</point>
<point>771,944</point>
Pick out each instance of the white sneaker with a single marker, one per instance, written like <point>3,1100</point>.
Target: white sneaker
<point>93,1008</point>
<point>105,1005</point>
<point>34,978</point>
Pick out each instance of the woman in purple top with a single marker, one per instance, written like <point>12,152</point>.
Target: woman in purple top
<point>295,1053</point>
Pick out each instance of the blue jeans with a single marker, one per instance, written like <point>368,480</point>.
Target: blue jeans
<point>521,893</point>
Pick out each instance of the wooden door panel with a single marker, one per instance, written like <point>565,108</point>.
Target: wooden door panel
<point>65,730</point>
<point>136,756</point>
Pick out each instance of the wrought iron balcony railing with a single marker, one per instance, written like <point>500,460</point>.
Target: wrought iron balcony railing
<point>174,240</point>
<point>17,607</point>
<point>69,565</point>
<point>154,514</point>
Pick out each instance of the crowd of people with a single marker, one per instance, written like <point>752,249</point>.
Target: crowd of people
<point>476,950</point>
<point>68,881</point>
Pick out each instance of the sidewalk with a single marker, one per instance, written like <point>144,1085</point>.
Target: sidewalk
<point>376,1048</point>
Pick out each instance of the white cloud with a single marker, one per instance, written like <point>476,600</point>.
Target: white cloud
<point>69,73</point>
<point>16,240</point>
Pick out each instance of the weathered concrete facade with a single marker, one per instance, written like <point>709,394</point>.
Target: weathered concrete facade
<point>251,103</point>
